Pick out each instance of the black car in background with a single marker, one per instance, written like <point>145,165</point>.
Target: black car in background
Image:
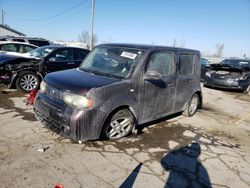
<point>205,66</point>
<point>117,87</point>
<point>229,74</point>
<point>26,72</point>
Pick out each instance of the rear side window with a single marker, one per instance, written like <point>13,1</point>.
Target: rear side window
<point>39,42</point>
<point>162,62</point>
<point>80,54</point>
<point>18,40</point>
<point>10,47</point>
<point>188,63</point>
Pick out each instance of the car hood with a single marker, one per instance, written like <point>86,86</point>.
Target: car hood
<point>77,81</point>
<point>218,67</point>
<point>8,58</point>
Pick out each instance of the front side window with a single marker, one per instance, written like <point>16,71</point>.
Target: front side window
<point>26,48</point>
<point>111,61</point>
<point>163,63</point>
<point>63,55</point>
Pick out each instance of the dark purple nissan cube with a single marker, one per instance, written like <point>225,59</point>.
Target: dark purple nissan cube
<point>117,87</point>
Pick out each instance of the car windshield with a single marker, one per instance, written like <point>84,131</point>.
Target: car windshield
<point>41,52</point>
<point>111,61</point>
<point>235,63</point>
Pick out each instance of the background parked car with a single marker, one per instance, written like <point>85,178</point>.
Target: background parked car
<point>205,66</point>
<point>30,40</point>
<point>16,47</point>
<point>26,72</point>
<point>229,74</point>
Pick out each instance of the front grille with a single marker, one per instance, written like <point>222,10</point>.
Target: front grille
<point>53,92</point>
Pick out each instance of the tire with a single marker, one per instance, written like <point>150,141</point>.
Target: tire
<point>27,81</point>
<point>113,129</point>
<point>192,106</point>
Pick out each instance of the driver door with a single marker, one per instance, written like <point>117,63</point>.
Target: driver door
<point>61,59</point>
<point>159,94</point>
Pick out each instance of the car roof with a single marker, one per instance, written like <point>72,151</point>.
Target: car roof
<point>14,42</point>
<point>62,46</point>
<point>147,47</point>
<point>21,37</point>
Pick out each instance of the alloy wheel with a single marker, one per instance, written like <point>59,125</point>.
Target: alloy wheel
<point>28,82</point>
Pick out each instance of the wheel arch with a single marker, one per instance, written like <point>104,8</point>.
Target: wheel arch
<point>113,111</point>
<point>15,76</point>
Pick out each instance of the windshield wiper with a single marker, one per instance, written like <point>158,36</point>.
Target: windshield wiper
<point>101,73</point>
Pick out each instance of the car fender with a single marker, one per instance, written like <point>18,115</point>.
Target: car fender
<point>15,75</point>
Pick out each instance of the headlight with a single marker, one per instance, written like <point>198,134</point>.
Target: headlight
<point>208,74</point>
<point>42,87</point>
<point>77,101</point>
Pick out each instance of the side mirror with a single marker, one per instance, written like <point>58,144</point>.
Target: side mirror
<point>152,75</point>
<point>52,59</point>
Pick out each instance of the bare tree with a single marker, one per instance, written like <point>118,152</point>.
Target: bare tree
<point>84,38</point>
<point>219,50</point>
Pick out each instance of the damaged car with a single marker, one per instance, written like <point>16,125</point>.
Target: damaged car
<point>26,71</point>
<point>229,74</point>
<point>116,88</point>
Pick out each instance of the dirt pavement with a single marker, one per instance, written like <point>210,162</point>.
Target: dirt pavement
<point>211,149</point>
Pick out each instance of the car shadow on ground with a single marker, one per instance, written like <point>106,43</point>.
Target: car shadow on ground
<point>224,89</point>
<point>140,127</point>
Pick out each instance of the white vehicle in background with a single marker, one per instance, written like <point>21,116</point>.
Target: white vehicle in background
<point>16,48</point>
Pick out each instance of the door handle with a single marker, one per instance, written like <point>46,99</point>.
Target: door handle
<point>171,84</point>
<point>71,63</point>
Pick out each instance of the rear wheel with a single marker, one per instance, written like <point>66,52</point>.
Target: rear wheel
<point>27,81</point>
<point>119,125</point>
<point>192,106</point>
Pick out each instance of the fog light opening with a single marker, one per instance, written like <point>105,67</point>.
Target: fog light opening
<point>65,130</point>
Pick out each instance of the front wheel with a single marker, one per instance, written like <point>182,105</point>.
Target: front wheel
<point>119,125</point>
<point>27,81</point>
<point>192,106</point>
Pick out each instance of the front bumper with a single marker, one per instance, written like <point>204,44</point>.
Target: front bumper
<point>68,122</point>
<point>240,85</point>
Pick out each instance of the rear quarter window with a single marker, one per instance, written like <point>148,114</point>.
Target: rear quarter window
<point>80,54</point>
<point>189,63</point>
<point>39,42</point>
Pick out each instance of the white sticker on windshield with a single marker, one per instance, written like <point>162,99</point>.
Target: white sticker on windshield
<point>129,55</point>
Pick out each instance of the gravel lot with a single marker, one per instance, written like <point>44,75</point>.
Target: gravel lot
<point>210,149</point>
